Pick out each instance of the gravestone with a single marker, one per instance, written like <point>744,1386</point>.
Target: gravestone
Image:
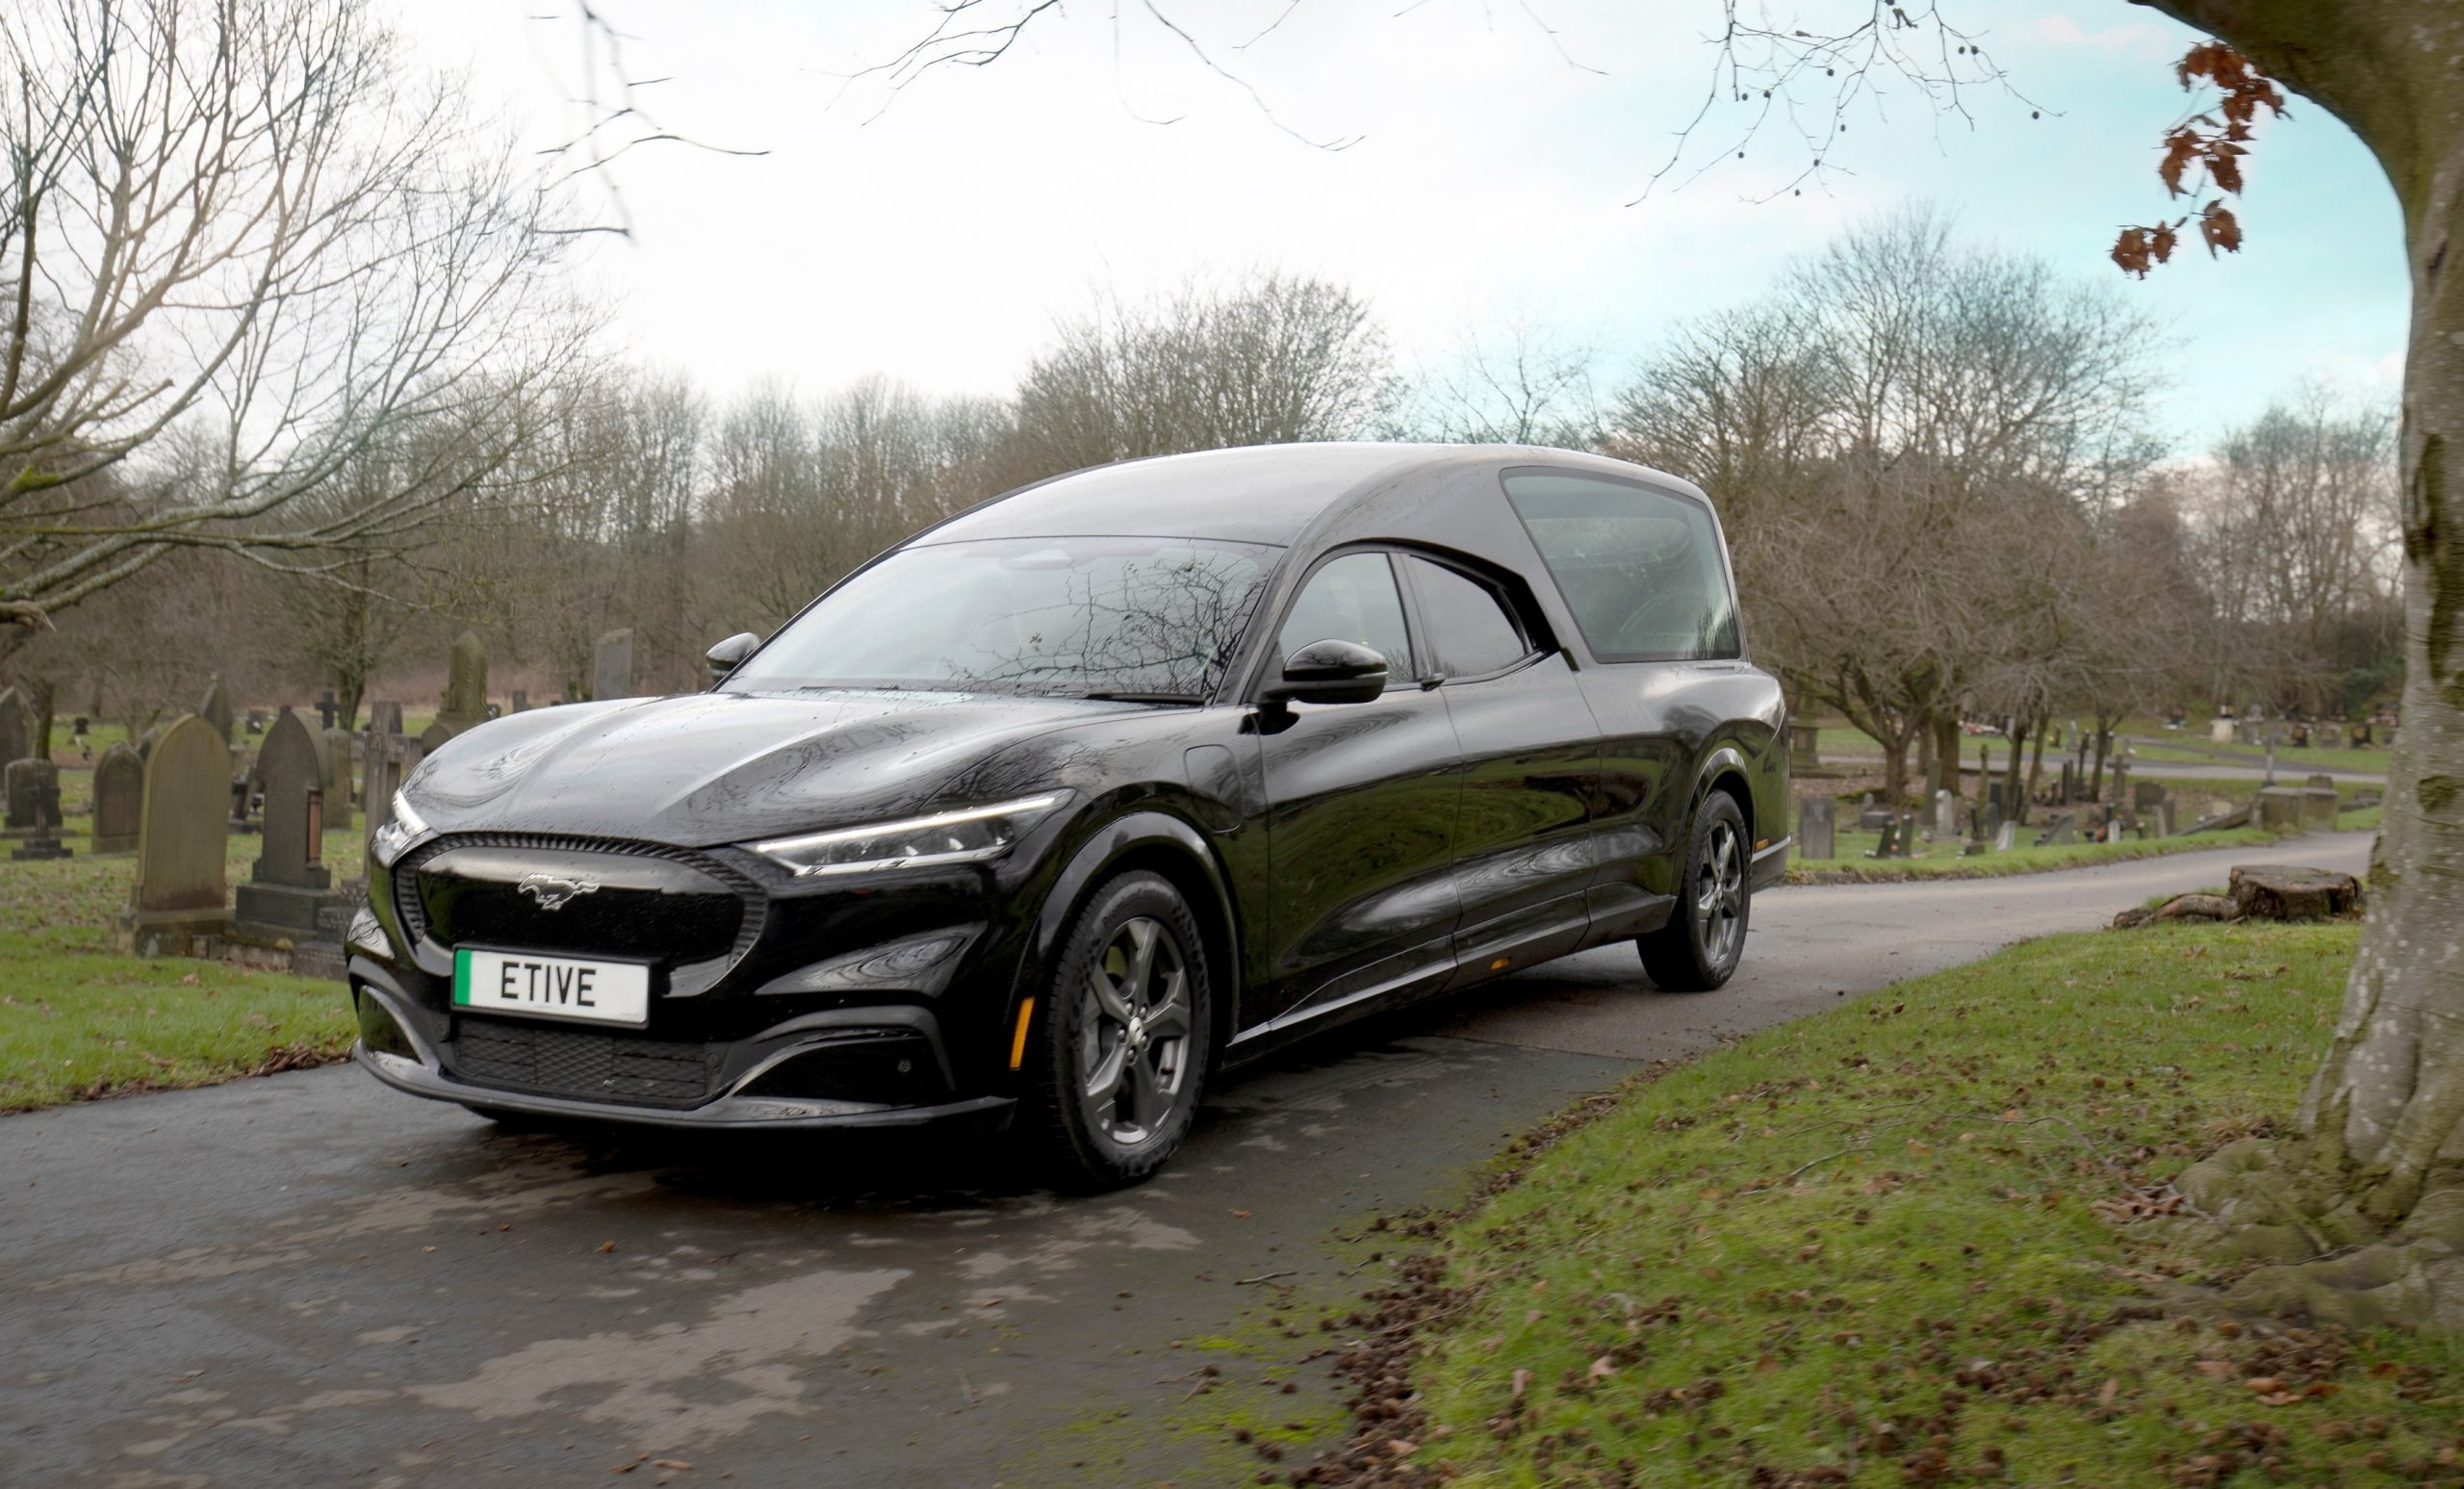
<point>1946,816</point>
<point>2121,783</point>
<point>521,700</point>
<point>2277,809</point>
<point>1817,828</point>
<point>2320,782</point>
<point>466,688</point>
<point>16,727</point>
<point>433,737</point>
<point>2319,809</point>
<point>256,722</point>
<point>23,780</point>
<point>2148,795</point>
<point>390,762</point>
<point>1993,816</point>
<point>44,843</point>
<point>1887,848</point>
<point>2064,828</point>
<point>1802,740</point>
<point>327,707</point>
<point>1907,835</point>
<point>2006,837</point>
<point>289,882</point>
<point>179,890</point>
<point>2160,820</point>
<point>334,755</point>
<point>2219,729</point>
<point>216,710</point>
<point>2362,799</point>
<point>145,743</point>
<point>119,792</point>
<point>384,717</point>
<point>612,665</point>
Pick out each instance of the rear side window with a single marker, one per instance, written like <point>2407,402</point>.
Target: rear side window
<point>1642,570</point>
<point>1468,626</point>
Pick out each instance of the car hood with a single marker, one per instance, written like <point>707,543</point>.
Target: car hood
<point>711,768</point>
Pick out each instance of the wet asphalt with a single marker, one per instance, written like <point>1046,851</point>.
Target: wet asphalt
<point>307,1280</point>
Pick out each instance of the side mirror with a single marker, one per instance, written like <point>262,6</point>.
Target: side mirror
<point>1329,672</point>
<point>726,654</point>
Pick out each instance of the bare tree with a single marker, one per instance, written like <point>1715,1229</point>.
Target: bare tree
<point>1525,385</point>
<point>240,240</point>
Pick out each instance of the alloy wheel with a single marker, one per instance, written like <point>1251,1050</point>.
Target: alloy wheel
<point>1719,895</point>
<point>1134,1029</point>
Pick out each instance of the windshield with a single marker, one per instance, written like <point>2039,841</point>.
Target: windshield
<point>1146,618</point>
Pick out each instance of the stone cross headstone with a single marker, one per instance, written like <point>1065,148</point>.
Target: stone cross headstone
<point>119,791</point>
<point>327,707</point>
<point>216,710</point>
<point>612,665</point>
<point>384,717</point>
<point>1817,828</point>
<point>180,892</point>
<point>44,843</point>
<point>18,781</point>
<point>334,753</point>
<point>16,727</point>
<point>289,882</point>
<point>466,688</point>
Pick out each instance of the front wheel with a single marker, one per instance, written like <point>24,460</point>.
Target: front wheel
<point>1705,938</point>
<point>1125,1036</point>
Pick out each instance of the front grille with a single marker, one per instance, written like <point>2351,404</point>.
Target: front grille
<point>584,1062</point>
<point>650,903</point>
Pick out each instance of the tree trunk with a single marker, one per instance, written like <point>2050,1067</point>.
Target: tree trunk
<point>1928,770</point>
<point>1946,753</point>
<point>2097,776</point>
<point>2390,1093</point>
<point>2013,797</point>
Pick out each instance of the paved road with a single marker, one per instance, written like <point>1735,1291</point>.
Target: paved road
<point>308,1280</point>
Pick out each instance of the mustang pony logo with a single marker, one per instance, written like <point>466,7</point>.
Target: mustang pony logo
<point>552,891</point>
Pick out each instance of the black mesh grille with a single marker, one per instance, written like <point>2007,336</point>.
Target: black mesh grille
<point>676,929</point>
<point>582,1063</point>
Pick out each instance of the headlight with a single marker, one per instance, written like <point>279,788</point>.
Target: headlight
<point>961,837</point>
<point>397,837</point>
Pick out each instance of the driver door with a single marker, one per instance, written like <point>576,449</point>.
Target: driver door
<point>1361,802</point>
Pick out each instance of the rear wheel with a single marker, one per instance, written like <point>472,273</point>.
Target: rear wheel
<point>1125,1037</point>
<point>1705,938</point>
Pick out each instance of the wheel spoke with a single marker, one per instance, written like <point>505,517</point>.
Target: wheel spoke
<point>1707,899</point>
<point>1168,1017</point>
<point>1107,995</point>
<point>1103,1082</point>
<point>1143,934</point>
<point>1146,1098</point>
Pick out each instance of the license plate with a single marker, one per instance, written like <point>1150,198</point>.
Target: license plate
<point>542,987</point>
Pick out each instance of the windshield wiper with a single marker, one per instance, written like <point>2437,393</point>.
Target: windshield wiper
<point>1141,698</point>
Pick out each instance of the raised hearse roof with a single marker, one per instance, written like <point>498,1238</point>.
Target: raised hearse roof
<point>1255,493</point>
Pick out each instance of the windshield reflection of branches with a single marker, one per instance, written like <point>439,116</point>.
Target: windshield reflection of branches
<point>1161,625</point>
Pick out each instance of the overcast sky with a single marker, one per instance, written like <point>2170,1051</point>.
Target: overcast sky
<point>935,234</point>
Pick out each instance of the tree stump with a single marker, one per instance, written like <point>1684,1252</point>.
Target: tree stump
<point>2266,891</point>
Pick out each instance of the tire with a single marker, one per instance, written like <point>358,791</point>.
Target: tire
<point>1700,947</point>
<point>1122,1037</point>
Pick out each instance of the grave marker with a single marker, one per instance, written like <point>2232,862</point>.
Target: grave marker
<point>16,727</point>
<point>44,793</point>
<point>612,665</point>
<point>119,793</point>
<point>21,782</point>
<point>216,710</point>
<point>466,688</point>
<point>289,882</point>
<point>179,891</point>
<point>335,757</point>
<point>1817,828</point>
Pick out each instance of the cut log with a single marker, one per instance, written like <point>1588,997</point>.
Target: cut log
<point>2266,891</point>
<point>2198,906</point>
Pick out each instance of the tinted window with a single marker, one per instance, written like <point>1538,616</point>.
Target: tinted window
<point>1351,598</point>
<point>1468,626</point>
<point>1642,570</point>
<point>1035,615</point>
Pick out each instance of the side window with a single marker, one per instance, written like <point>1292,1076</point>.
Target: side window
<point>1351,598</point>
<point>1470,628</point>
<point>1642,570</point>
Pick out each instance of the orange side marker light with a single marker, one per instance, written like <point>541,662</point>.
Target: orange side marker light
<point>1018,1040</point>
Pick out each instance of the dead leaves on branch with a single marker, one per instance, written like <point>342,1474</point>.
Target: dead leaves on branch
<point>2205,149</point>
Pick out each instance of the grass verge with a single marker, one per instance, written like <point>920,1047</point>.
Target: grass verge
<point>1872,1248</point>
<point>1945,861</point>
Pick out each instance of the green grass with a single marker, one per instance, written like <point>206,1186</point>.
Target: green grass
<point>1944,860</point>
<point>1865,1248</point>
<point>79,1018</point>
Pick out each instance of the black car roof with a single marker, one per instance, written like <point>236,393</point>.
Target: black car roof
<point>1254,494</point>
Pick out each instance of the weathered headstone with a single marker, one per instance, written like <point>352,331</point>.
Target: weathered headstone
<point>2277,808</point>
<point>256,722</point>
<point>216,710</point>
<point>521,700</point>
<point>612,665</point>
<point>179,891</point>
<point>466,688</point>
<point>327,707</point>
<point>433,737</point>
<point>16,727</point>
<point>2148,795</point>
<point>2320,780</point>
<point>2319,809</point>
<point>334,755</point>
<point>2160,820</point>
<point>1803,738</point>
<point>119,793</point>
<point>2121,783</point>
<point>44,841</point>
<point>2006,837</point>
<point>146,742</point>
<point>289,882</point>
<point>385,717</point>
<point>23,780</point>
<point>1888,848</point>
<point>1946,816</point>
<point>1817,828</point>
<point>2219,729</point>
<point>2064,828</point>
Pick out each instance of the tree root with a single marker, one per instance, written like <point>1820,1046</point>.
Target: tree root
<point>2295,1209</point>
